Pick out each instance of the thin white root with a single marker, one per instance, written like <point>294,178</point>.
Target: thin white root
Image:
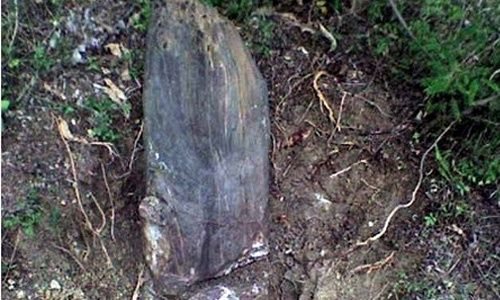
<point>101,212</point>
<point>62,126</point>
<point>16,25</point>
<point>136,142</point>
<point>363,161</point>
<point>111,200</point>
<point>414,194</point>
<point>140,282</point>
<point>375,266</point>
<point>340,111</point>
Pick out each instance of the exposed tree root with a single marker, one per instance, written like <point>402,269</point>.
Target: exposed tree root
<point>66,136</point>
<point>111,200</point>
<point>322,99</point>
<point>414,194</point>
<point>140,282</point>
<point>375,266</point>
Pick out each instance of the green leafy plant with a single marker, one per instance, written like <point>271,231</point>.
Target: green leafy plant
<point>407,286</point>
<point>450,49</point>
<point>103,112</point>
<point>140,20</point>
<point>263,39</point>
<point>93,65</point>
<point>134,58</point>
<point>27,216</point>
<point>41,59</point>
<point>430,220</point>
<point>5,105</point>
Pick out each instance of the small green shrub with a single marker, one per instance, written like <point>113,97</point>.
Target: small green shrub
<point>237,10</point>
<point>262,41</point>
<point>104,112</point>
<point>430,220</point>
<point>450,49</point>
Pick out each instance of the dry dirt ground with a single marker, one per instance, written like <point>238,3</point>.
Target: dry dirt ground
<point>335,175</point>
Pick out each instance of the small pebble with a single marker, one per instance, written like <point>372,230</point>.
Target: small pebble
<point>54,285</point>
<point>11,284</point>
<point>20,295</point>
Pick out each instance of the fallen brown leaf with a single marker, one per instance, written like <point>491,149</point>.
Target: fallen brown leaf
<point>66,132</point>
<point>114,92</point>
<point>115,49</point>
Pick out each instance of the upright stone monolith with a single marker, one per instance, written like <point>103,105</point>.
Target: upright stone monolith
<point>206,138</point>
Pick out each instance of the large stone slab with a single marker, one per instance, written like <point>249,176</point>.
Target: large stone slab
<point>206,138</point>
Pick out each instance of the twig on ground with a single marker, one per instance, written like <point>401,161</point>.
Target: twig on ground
<point>372,104</point>
<point>27,88</point>
<point>101,212</point>
<point>340,111</point>
<point>105,251</point>
<point>363,161</point>
<point>453,266</point>
<point>377,191</point>
<point>71,255</point>
<point>483,281</point>
<point>400,18</point>
<point>11,259</point>
<point>112,152</point>
<point>481,103</point>
<point>282,102</point>
<point>323,101</point>
<point>16,25</point>
<point>54,91</point>
<point>382,290</point>
<point>370,185</point>
<point>302,118</point>
<point>414,194</point>
<point>140,282</point>
<point>375,266</point>
<point>132,156</point>
<point>111,200</point>
<point>292,20</point>
<point>136,142</point>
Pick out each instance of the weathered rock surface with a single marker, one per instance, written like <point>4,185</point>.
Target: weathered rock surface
<point>206,138</point>
<point>220,292</point>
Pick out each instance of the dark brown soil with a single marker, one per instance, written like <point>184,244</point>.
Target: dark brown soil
<point>317,212</point>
